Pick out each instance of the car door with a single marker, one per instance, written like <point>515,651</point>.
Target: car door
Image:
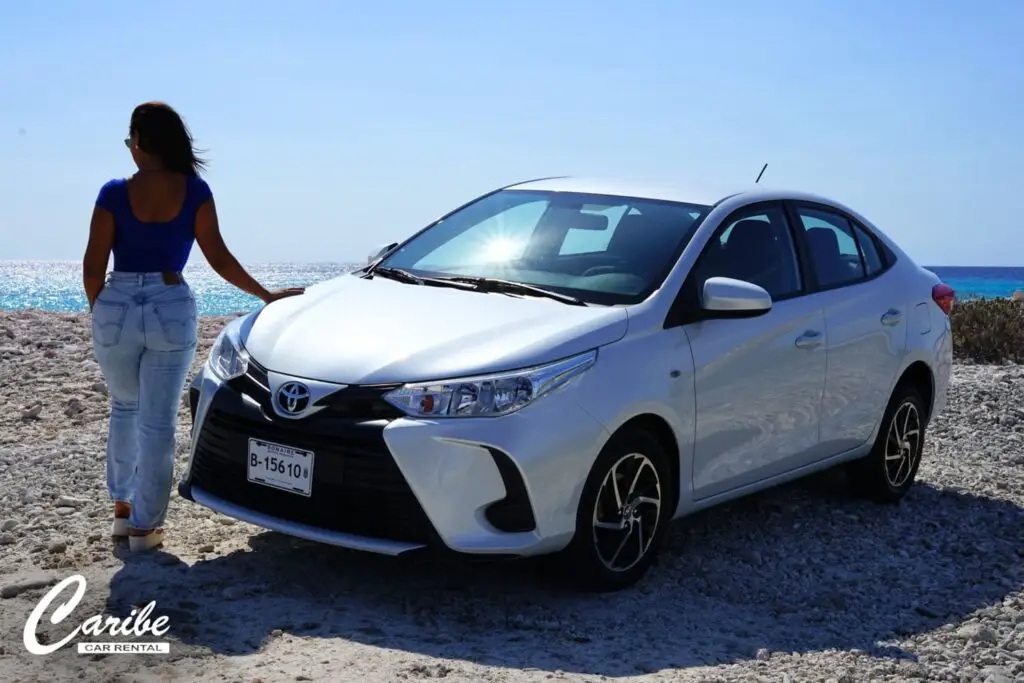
<point>758,380</point>
<point>865,323</point>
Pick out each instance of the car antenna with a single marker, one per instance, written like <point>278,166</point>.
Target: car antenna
<point>760,174</point>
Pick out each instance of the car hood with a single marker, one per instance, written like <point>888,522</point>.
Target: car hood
<point>355,331</point>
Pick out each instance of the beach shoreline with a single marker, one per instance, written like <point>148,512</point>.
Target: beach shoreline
<point>803,581</point>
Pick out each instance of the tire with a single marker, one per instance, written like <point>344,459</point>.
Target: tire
<point>889,470</point>
<point>587,562</point>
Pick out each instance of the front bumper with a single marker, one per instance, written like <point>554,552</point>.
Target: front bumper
<point>386,483</point>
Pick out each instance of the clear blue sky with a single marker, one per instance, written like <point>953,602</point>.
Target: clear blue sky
<point>335,126</point>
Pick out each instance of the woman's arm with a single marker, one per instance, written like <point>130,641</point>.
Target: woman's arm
<point>97,253</point>
<point>224,262</point>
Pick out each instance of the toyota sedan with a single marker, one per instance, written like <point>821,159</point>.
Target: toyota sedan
<point>562,367</point>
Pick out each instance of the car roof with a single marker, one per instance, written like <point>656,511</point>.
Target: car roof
<point>691,192</point>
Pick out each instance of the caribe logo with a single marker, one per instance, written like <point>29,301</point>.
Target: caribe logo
<point>136,624</point>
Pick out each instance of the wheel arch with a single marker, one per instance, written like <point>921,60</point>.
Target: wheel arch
<point>659,428</point>
<point>920,376</point>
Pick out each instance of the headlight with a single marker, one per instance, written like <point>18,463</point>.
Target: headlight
<point>489,396</point>
<point>228,358</point>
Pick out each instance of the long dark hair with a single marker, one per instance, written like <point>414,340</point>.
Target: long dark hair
<point>162,133</point>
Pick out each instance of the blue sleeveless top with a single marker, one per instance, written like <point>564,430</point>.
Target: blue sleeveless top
<point>152,247</point>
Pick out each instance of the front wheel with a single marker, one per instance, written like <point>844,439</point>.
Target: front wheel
<point>889,470</point>
<point>623,514</point>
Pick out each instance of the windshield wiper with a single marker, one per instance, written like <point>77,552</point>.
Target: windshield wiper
<point>402,275</point>
<point>396,274</point>
<point>489,284</point>
<point>479,284</point>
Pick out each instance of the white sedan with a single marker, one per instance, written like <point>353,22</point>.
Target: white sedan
<point>563,367</point>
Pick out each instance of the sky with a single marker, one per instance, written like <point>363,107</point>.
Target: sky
<point>333,127</point>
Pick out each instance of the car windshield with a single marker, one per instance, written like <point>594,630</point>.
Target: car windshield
<point>603,249</point>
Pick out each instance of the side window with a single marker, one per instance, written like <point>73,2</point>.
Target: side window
<point>837,260</point>
<point>869,250</point>
<point>502,237</point>
<point>758,248</point>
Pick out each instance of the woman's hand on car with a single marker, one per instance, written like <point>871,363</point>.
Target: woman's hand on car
<point>283,293</point>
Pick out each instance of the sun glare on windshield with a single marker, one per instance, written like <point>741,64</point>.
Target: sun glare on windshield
<point>499,248</point>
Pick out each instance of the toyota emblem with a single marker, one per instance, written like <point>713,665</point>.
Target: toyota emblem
<point>293,397</point>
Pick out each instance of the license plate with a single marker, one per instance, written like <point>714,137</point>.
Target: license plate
<point>280,467</point>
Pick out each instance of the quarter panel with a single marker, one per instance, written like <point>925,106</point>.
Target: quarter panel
<point>922,320</point>
<point>936,353</point>
<point>941,359</point>
<point>864,357</point>
<point>935,349</point>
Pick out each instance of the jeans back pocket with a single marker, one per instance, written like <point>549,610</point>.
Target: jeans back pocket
<point>177,320</point>
<point>108,322</point>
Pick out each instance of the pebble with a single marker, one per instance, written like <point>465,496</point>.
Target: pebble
<point>74,407</point>
<point>976,632</point>
<point>998,674</point>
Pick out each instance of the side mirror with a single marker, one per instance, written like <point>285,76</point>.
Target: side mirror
<point>724,297</point>
<point>380,252</point>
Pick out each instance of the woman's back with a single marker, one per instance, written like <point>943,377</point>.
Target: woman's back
<point>154,219</point>
<point>157,196</point>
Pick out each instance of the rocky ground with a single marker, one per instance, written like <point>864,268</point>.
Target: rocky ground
<point>799,584</point>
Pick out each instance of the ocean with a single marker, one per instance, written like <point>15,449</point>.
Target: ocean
<point>57,285</point>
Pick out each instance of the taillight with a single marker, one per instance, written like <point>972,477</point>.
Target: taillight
<point>943,295</point>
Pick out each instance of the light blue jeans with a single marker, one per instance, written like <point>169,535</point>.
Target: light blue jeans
<point>144,337</point>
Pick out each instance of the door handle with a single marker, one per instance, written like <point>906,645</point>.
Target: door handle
<point>892,317</point>
<point>811,339</point>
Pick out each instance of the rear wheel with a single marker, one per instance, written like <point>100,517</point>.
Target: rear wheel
<point>889,470</point>
<point>623,514</point>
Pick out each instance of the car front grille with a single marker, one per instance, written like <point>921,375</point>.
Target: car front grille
<point>351,402</point>
<point>357,487</point>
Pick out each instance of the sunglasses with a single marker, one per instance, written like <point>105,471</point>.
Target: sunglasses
<point>128,143</point>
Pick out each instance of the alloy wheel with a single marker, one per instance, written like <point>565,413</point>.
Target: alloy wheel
<point>627,512</point>
<point>902,445</point>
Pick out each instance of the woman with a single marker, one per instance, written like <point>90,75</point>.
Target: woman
<point>144,314</point>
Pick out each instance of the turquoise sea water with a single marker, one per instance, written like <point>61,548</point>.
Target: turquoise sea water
<point>980,282</point>
<point>57,285</point>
